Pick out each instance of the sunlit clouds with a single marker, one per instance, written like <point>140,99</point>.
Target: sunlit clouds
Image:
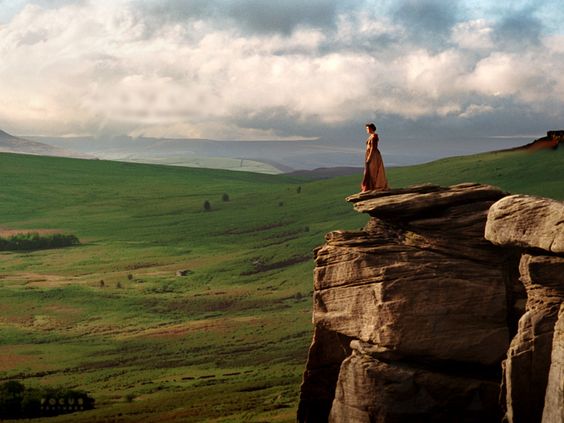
<point>132,67</point>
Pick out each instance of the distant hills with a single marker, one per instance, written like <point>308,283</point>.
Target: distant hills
<point>280,156</point>
<point>12,144</point>
<point>274,156</point>
<point>308,158</point>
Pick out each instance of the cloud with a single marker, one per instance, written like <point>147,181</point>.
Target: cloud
<point>475,110</point>
<point>198,69</point>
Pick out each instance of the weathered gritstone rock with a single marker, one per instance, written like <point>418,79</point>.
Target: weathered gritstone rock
<point>536,225</point>
<point>424,199</point>
<point>374,390</point>
<point>413,301</point>
<point>419,284</point>
<point>430,305</point>
<point>554,399</point>
<point>529,356</point>
<point>527,222</point>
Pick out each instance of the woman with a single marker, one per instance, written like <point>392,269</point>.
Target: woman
<point>374,174</point>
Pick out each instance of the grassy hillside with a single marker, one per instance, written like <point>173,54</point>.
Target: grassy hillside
<point>541,173</point>
<point>225,343</point>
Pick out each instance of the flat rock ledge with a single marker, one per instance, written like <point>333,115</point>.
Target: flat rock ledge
<point>397,204</point>
<point>419,318</point>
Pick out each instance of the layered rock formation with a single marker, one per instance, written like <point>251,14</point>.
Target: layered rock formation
<point>536,226</point>
<point>415,313</point>
<point>554,398</point>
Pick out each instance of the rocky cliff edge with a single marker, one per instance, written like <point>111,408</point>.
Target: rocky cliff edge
<point>444,308</point>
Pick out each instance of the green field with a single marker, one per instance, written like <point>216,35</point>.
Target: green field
<point>228,341</point>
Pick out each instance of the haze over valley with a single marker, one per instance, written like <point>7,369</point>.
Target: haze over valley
<point>270,156</point>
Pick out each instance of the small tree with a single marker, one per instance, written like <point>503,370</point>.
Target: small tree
<point>299,189</point>
<point>225,197</point>
<point>207,205</point>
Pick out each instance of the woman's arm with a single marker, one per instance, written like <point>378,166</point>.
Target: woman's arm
<point>369,149</point>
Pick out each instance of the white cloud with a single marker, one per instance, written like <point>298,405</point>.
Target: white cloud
<point>533,78</point>
<point>88,66</point>
<point>475,110</point>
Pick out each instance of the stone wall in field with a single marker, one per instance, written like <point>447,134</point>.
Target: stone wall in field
<point>419,316</point>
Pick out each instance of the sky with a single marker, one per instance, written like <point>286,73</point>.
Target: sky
<point>282,70</point>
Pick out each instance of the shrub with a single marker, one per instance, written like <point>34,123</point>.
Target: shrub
<point>207,205</point>
<point>299,189</point>
<point>225,197</point>
<point>34,241</point>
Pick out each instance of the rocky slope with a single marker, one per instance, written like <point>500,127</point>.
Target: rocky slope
<point>419,317</point>
<point>551,141</point>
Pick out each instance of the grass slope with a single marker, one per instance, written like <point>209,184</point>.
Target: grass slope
<point>541,173</point>
<point>226,343</point>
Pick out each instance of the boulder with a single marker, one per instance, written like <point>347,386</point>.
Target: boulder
<point>527,222</point>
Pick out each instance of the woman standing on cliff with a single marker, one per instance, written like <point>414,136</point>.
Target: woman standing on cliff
<point>374,173</point>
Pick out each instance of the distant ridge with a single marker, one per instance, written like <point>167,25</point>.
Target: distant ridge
<point>12,144</point>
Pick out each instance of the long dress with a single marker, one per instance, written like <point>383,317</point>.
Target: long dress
<point>374,173</point>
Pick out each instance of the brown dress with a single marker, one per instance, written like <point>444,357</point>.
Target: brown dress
<point>374,173</point>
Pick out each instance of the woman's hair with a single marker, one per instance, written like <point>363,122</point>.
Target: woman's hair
<point>371,126</point>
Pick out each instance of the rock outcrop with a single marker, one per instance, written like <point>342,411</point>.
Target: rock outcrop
<point>527,222</point>
<point>415,313</point>
<point>551,141</point>
<point>554,398</point>
<point>536,226</point>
